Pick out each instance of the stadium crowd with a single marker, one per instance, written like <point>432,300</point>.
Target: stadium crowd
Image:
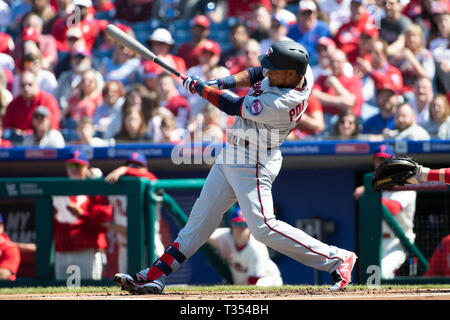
<point>381,68</point>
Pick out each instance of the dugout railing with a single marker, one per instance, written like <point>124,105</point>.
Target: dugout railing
<point>371,213</point>
<point>142,195</point>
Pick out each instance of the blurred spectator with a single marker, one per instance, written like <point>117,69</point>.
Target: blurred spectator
<point>135,166</point>
<point>7,45</point>
<point>388,99</point>
<point>149,74</point>
<point>75,42</point>
<point>137,97</point>
<point>379,68</point>
<point>19,113</point>
<point>393,25</point>
<point>168,129</point>
<point>347,126</point>
<point>5,13</point>
<point>134,10</point>
<point>104,9</point>
<point>212,124</point>
<point>277,32</point>
<point>311,123</point>
<point>9,255</point>
<point>439,121</point>
<point>190,51</point>
<point>113,99</point>
<point>338,92</point>
<point>171,99</point>
<point>243,10</point>
<point>260,23</point>
<point>406,127</point>
<point>18,9</point>
<point>32,61</point>
<point>239,36</point>
<point>85,98</point>
<point>122,66</point>
<point>133,127</point>
<point>105,45</point>
<point>325,47</point>
<point>439,263</point>
<point>79,234</point>
<point>64,8</point>
<point>81,18</point>
<point>337,11</point>
<point>440,48</point>
<point>209,58</point>
<point>252,50</point>
<point>4,143</point>
<point>43,135</point>
<point>423,95</point>
<point>438,24</point>
<point>85,133</point>
<point>161,43</point>
<point>33,27</point>
<point>280,12</point>
<point>413,60</point>
<point>5,96</point>
<point>43,9</point>
<point>347,37</point>
<point>69,80</point>
<point>309,29</point>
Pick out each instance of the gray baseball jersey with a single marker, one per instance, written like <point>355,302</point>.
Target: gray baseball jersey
<point>267,115</point>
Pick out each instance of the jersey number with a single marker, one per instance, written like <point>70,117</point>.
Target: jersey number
<point>295,112</point>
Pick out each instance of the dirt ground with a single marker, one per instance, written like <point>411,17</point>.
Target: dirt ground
<point>282,294</point>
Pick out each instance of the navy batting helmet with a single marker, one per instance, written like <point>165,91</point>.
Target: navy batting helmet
<point>286,55</point>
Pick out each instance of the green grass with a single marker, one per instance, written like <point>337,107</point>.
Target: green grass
<point>213,288</point>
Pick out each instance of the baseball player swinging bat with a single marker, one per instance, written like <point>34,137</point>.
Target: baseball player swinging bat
<point>139,48</point>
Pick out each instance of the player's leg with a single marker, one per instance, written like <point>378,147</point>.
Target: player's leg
<point>215,199</point>
<point>253,188</point>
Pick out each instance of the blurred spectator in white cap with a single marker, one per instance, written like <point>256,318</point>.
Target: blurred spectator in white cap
<point>43,135</point>
<point>161,43</point>
<point>309,29</point>
<point>122,66</point>
<point>200,31</point>
<point>337,11</point>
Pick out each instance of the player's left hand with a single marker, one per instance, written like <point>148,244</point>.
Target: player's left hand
<point>189,83</point>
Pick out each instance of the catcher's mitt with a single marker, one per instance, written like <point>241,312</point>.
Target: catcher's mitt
<point>394,172</point>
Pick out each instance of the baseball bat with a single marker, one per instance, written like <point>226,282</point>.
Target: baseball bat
<point>137,47</point>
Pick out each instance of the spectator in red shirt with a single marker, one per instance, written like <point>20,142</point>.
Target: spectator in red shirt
<point>244,9</point>
<point>379,68</point>
<point>33,26</point>
<point>311,123</point>
<point>338,91</point>
<point>9,255</point>
<point>7,45</point>
<point>348,35</point>
<point>78,225</point>
<point>85,22</point>
<point>439,263</point>
<point>239,36</point>
<point>86,98</point>
<point>171,99</point>
<point>19,112</point>
<point>190,51</point>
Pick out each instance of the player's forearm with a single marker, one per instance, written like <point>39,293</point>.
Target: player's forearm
<point>243,79</point>
<point>441,175</point>
<point>224,101</point>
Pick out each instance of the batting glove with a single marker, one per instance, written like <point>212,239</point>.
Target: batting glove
<point>189,83</point>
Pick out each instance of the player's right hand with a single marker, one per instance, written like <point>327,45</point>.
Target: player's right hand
<point>189,83</point>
